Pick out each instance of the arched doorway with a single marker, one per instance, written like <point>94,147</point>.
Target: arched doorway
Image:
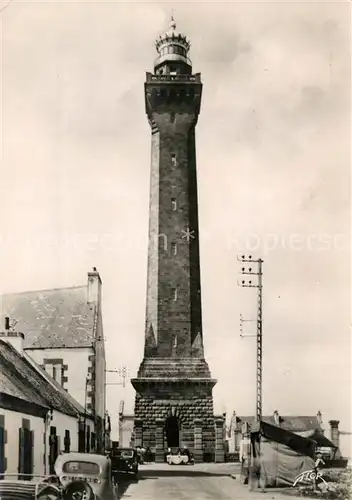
<point>172,431</point>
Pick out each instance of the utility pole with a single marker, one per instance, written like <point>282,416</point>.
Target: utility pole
<point>249,261</point>
<point>122,372</point>
<point>258,284</point>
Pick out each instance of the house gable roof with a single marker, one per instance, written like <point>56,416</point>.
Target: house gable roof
<point>22,379</point>
<point>51,318</point>
<point>289,423</point>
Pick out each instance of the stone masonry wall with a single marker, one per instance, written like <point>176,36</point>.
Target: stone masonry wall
<point>185,402</point>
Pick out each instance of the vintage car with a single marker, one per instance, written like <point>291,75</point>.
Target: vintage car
<point>27,487</point>
<point>78,476</point>
<point>181,457</point>
<point>124,461</point>
<point>85,476</point>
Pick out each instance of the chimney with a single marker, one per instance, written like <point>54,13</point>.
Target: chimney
<point>320,420</point>
<point>94,287</point>
<point>334,432</point>
<point>13,338</point>
<point>276,418</point>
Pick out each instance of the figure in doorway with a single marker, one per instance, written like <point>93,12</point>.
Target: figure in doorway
<point>148,455</point>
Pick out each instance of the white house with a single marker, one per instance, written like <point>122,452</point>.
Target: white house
<point>126,426</point>
<point>38,418</point>
<point>63,333</point>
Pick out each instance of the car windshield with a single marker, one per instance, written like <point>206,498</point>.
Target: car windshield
<point>81,467</point>
<point>126,453</point>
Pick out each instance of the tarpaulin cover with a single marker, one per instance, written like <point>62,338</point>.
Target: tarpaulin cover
<point>300,444</point>
<point>282,454</point>
<point>282,464</point>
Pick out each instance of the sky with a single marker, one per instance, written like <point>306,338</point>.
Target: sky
<point>273,160</point>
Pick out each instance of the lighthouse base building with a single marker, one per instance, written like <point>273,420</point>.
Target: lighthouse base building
<point>174,409</point>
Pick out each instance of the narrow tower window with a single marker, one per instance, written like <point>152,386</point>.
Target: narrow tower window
<point>175,340</point>
<point>172,117</point>
<point>173,159</point>
<point>175,294</point>
<point>173,204</point>
<point>174,248</point>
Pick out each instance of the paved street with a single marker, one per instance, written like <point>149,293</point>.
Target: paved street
<point>198,482</point>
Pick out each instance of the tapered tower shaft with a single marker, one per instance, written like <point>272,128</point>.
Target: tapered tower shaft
<point>174,380</point>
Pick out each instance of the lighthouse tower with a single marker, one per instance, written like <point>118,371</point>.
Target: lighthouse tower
<point>174,403</point>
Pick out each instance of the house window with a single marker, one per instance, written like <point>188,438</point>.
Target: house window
<point>92,441</point>
<point>2,444</point>
<point>58,373</point>
<point>174,248</point>
<point>25,446</point>
<point>175,293</point>
<point>174,204</point>
<point>67,441</point>
<point>88,439</point>
<point>54,449</point>
<point>56,370</point>
<point>173,159</point>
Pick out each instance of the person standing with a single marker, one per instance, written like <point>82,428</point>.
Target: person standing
<point>262,474</point>
<point>318,462</point>
<point>139,454</point>
<point>148,455</point>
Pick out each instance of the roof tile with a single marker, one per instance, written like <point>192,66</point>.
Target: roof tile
<point>289,423</point>
<point>51,318</point>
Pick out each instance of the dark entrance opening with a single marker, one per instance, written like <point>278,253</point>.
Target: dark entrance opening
<point>172,431</point>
